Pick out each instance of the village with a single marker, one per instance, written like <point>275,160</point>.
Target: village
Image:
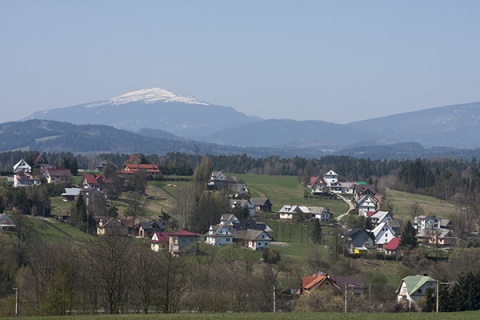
<point>241,227</point>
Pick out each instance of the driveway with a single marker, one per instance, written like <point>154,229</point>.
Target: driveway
<point>350,207</point>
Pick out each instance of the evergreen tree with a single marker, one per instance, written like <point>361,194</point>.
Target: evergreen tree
<point>409,237</point>
<point>316,233</point>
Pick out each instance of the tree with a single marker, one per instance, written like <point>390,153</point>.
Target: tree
<point>136,206</point>
<point>316,234</point>
<point>23,239</point>
<point>203,171</point>
<point>408,238</point>
<point>111,271</point>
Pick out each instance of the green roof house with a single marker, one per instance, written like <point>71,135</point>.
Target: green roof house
<point>412,288</point>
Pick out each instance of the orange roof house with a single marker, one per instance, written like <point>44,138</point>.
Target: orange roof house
<point>317,281</point>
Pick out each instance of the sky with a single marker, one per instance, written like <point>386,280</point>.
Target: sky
<point>336,61</point>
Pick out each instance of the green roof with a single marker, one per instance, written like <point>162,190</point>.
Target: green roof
<point>414,283</point>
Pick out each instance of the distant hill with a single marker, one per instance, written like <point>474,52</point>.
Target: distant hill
<point>456,126</point>
<point>54,136</point>
<point>154,108</point>
<point>160,113</point>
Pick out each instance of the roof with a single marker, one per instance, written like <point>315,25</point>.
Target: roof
<point>251,235</point>
<point>71,192</point>
<point>343,281</point>
<point>184,233</point>
<point>54,172</point>
<point>161,237</point>
<point>413,283</point>
<point>259,201</point>
<point>380,214</point>
<point>393,244</point>
<point>379,228</point>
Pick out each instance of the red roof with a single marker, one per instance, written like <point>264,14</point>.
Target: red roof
<point>392,245</point>
<point>184,233</point>
<point>370,213</point>
<point>150,168</point>
<point>161,237</point>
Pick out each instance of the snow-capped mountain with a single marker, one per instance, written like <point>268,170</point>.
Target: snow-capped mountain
<point>151,95</point>
<point>153,108</point>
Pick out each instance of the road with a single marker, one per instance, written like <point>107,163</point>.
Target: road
<point>350,207</point>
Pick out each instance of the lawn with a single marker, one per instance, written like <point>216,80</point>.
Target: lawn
<point>282,190</point>
<point>402,202</point>
<point>278,316</point>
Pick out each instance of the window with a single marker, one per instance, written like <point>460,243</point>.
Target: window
<point>228,239</point>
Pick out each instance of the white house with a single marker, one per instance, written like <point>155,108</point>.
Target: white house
<point>427,223</point>
<point>242,204</point>
<point>253,239</point>
<point>330,177</point>
<point>219,236</point>
<point>22,165</point>
<point>288,212</point>
<point>380,217</point>
<point>383,234</point>
<point>412,288</point>
<point>366,204</point>
<point>320,213</point>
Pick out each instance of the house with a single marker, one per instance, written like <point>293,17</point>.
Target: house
<point>427,223</point>
<point>41,161</point>
<point>379,217</point>
<point>151,171</point>
<point>250,224</point>
<point>320,213</point>
<point>355,285</point>
<point>438,237</point>
<point>395,225</point>
<point>318,186</point>
<point>342,187</point>
<point>367,203</point>
<point>383,234</point>
<point>94,181</point>
<point>57,176</point>
<point>146,229</point>
<point>290,212</point>
<point>261,204</point>
<point>6,223</point>
<point>183,243</point>
<point>237,190</point>
<point>361,189</point>
<point>217,180</point>
<point>160,241</point>
<point>393,247</point>
<point>413,288</point>
<point>237,204</point>
<point>359,240</point>
<point>256,240</point>
<point>110,226</point>
<point>101,165</point>
<point>330,177</point>
<point>25,179</point>
<point>317,281</point>
<point>23,166</point>
<point>219,235</point>
<point>71,194</point>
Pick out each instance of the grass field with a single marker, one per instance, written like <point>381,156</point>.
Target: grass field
<point>468,315</point>
<point>282,190</point>
<point>402,202</point>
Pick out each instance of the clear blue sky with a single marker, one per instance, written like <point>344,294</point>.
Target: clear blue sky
<point>337,61</point>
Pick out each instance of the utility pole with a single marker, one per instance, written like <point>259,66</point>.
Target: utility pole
<point>274,299</point>
<point>438,289</point>
<point>16,302</point>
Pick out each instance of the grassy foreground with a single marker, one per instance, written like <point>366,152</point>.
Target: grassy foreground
<point>280,316</point>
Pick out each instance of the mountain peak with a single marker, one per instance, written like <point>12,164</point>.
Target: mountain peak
<point>151,95</point>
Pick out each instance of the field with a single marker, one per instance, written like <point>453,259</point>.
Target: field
<point>279,316</point>
<point>402,202</point>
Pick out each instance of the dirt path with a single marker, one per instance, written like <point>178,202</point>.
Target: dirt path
<point>350,207</point>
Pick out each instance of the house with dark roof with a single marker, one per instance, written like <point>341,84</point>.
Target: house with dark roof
<point>57,176</point>
<point>110,226</point>
<point>261,204</point>
<point>359,241</point>
<point>257,240</point>
<point>146,229</point>
<point>6,223</point>
<point>237,204</point>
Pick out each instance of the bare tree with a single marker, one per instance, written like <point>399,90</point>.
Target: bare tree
<point>110,264</point>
